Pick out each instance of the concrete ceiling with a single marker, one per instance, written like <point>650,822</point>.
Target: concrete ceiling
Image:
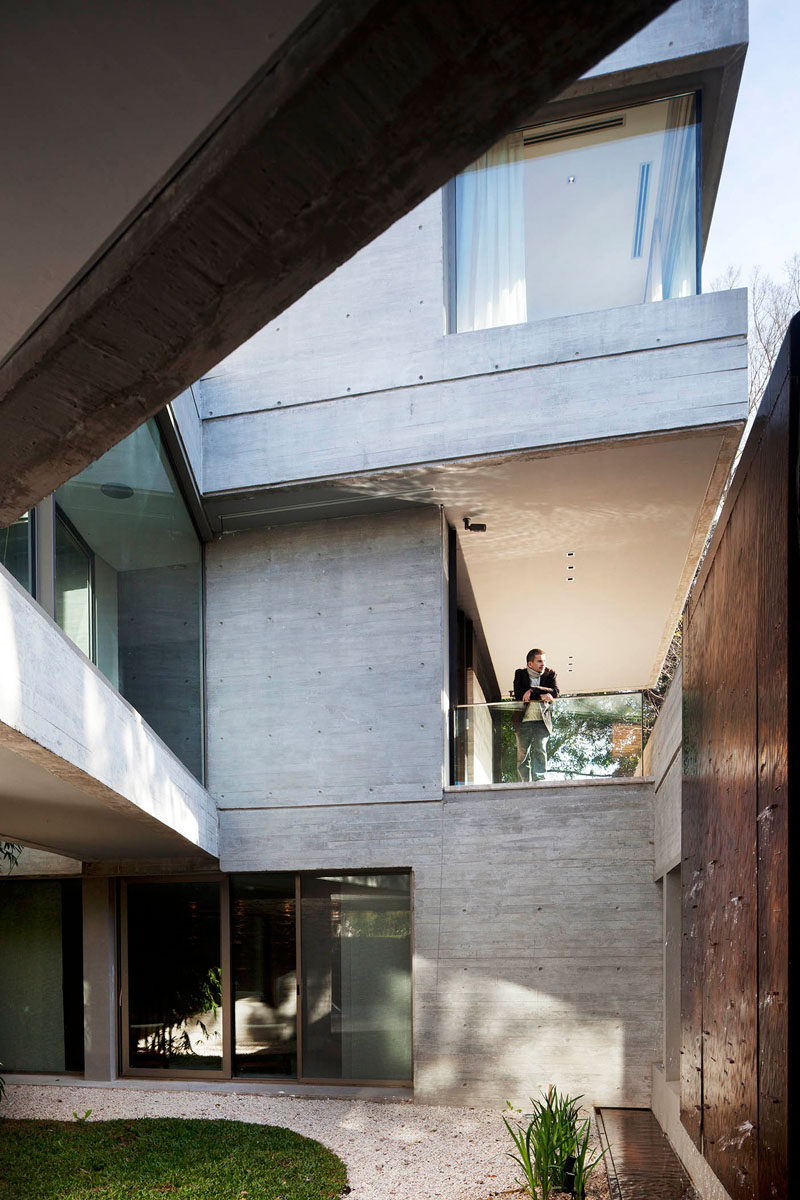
<point>40,809</point>
<point>97,102</point>
<point>177,174</point>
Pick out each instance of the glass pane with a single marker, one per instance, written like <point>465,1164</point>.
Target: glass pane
<point>16,551</point>
<point>147,586</point>
<point>174,976</point>
<point>73,586</point>
<point>580,214</point>
<point>41,975</point>
<point>264,947</point>
<point>592,735</point>
<point>356,956</point>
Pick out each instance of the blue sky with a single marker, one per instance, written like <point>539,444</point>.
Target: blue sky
<point>757,216</point>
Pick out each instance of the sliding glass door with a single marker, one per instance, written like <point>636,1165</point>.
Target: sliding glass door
<point>173,973</point>
<point>356,954</point>
<point>270,975</point>
<point>265,974</point>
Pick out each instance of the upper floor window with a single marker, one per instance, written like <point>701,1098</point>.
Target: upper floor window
<point>128,585</point>
<point>16,550</point>
<point>579,214</point>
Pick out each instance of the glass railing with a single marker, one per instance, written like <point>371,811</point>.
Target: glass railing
<point>596,736</point>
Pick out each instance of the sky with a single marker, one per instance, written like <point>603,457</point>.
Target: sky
<point>756,220</point>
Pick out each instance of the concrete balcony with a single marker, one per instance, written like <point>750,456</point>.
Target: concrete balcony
<point>312,443</point>
<point>81,774</point>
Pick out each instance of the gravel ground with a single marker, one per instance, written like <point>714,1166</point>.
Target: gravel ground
<point>393,1151</point>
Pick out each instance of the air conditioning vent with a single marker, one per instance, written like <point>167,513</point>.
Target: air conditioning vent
<point>552,135</point>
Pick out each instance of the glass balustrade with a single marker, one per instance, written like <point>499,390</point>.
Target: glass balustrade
<point>593,736</point>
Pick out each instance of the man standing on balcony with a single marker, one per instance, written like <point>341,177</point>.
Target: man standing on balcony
<point>535,686</point>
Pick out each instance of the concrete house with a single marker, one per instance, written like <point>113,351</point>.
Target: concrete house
<point>254,724</point>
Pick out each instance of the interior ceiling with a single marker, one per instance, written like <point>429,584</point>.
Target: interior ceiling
<point>39,809</point>
<point>624,517</point>
<point>634,515</point>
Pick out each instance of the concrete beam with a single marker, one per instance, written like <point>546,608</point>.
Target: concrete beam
<point>81,774</point>
<point>362,112</point>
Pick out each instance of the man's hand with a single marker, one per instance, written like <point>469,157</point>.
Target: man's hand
<point>526,696</point>
<point>546,698</point>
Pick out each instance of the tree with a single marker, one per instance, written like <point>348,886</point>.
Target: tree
<point>772,303</point>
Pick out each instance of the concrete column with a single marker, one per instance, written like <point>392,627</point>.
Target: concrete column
<point>672,974</point>
<point>46,555</point>
<point>100,988</point>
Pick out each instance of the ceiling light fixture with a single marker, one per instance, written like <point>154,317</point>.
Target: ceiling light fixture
<point>116,491</point>
<point>473,528</point>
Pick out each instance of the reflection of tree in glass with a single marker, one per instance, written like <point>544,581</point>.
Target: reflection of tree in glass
<point>175,969</point>
<point>598,735</point>
<point>371,923</point>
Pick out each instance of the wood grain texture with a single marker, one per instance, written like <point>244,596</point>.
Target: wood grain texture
<point>740,655</point>
<point>778,663</point>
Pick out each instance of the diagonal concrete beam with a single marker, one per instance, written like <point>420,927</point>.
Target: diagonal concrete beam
<point>366,109</point>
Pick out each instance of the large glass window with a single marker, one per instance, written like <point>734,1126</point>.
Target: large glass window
<point>129,585</point>
<point>357,977</point>
<point>16,550</point>
<point>174,976</point>
<point>578,215</point>
<point>41,975</point>
<point>264,948</point>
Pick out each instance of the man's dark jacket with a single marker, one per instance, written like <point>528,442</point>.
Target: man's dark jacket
<point>522,681</point>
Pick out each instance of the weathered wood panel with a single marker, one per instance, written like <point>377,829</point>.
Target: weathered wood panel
<point>777,662</point>
<point>740,653</point>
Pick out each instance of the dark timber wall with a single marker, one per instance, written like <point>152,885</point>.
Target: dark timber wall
<point>740,652</point>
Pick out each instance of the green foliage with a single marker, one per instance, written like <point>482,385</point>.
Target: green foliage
<point>153,1158</point>
<point>553,1145</point>
<point>596,735</point>
<point>10,852</point>
<point>82,1120</point>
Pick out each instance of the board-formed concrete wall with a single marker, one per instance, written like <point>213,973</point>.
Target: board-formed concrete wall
<point>536,929</point>
<point>326,654</point>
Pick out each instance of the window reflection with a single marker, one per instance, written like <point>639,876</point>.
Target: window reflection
<point>174,976</point>
<point>41,975</point>
<point>16,550</point>
<point>264,974</point>
<point>356,958</point>
<point>579,215</point>
<point>129,585</point>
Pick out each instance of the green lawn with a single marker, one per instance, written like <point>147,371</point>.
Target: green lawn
<point>158,1158</point>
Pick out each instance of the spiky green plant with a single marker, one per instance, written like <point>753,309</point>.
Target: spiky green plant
<point>553,1136</point>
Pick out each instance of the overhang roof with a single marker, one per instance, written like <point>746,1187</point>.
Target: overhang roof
<point>156,222</point>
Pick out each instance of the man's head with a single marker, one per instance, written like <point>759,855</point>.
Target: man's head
<point>536,660</point>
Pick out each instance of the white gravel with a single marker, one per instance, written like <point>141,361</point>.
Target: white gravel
<point>393,1151</point>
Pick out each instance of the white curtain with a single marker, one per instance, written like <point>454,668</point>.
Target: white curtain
<point>672,270</point>
<point>490,239</point>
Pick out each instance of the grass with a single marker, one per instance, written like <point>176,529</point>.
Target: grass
<point>163,1159</point>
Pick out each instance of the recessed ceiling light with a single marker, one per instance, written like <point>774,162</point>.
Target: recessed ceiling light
<point>570,554</point>
<point>116,491</point>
